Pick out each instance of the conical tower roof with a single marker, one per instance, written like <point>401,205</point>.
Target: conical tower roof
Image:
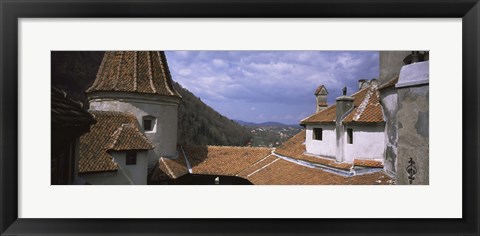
<point>134,71</point>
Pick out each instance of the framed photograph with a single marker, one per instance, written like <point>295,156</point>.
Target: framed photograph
<point>224,117</point>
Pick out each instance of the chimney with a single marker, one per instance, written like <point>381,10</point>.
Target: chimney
<point>344,106</point>
<point>321,98</point>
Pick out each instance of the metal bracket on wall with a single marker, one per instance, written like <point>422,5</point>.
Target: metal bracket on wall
<point>411,170</point>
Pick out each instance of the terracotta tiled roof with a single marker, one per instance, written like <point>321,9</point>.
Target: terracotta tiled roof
<point>128,137</point>
<point>68,112</point>
<point>166,169</point>
<point>105,135</point>
<point>319,90</point>
<point>134,71</point>
<point>257,166</point>
<point>223,160</point>
<point>280,172</point>
<point>368,163</point>
<point>261,167</point>
<point>328,115</point>
<point>367,109</point>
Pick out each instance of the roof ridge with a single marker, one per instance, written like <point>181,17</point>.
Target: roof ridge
<point>162,159</point>
<point>150,74</point>
<point>114,137</point>
<point>258,161</point>
<point>118,69</point>
<point>363,104</point>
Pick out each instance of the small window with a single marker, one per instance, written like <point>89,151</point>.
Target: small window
<point>317,133</point>
<point>131,158</point>
<point>148,123</point>
<point>350,136</point>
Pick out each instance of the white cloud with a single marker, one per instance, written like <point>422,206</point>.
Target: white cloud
<point>269,77</point>
<point>184,72</point>
<point>219,63</point>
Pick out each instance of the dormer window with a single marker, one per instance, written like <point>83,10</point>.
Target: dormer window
<point>149,123</point>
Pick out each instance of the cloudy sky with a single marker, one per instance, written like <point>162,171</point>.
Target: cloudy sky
<point>259,86</point>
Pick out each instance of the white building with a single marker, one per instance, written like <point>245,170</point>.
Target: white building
<point>352,129</point>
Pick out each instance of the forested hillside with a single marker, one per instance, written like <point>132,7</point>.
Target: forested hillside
<point>198,124</point>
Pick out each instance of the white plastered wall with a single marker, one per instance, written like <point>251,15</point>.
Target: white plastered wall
<point>125,175</point>
<point>327,146</point>
<point>368,142</point>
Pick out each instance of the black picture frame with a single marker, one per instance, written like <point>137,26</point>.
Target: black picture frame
<point>11,11</point>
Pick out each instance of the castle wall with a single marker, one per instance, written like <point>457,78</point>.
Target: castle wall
<point>413,124</point>
<point>388,99</point>
<point>390,64</point>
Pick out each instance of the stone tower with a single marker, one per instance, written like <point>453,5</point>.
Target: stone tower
<point>321,98</point>
<point>139,82</point>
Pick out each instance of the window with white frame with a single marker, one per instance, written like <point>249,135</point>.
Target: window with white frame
<point>149,123</point>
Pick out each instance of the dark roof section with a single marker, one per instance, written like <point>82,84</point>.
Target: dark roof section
<point>367,109</point>
<point>129,137</point>
<point>95,144</point>
<point>134,71</point>
<point>67,112</point>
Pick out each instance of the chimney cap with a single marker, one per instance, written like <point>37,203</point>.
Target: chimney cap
<point>321,90</point>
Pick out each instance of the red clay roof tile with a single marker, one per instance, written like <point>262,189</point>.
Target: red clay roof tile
<point>128,137</point>
<point>134,71</point>
<point>367,109</point>
<point>223,160</point>
<point>95,144</point>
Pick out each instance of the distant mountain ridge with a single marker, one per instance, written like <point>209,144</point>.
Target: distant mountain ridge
<point>264,124</point>
<point>198,124</point>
